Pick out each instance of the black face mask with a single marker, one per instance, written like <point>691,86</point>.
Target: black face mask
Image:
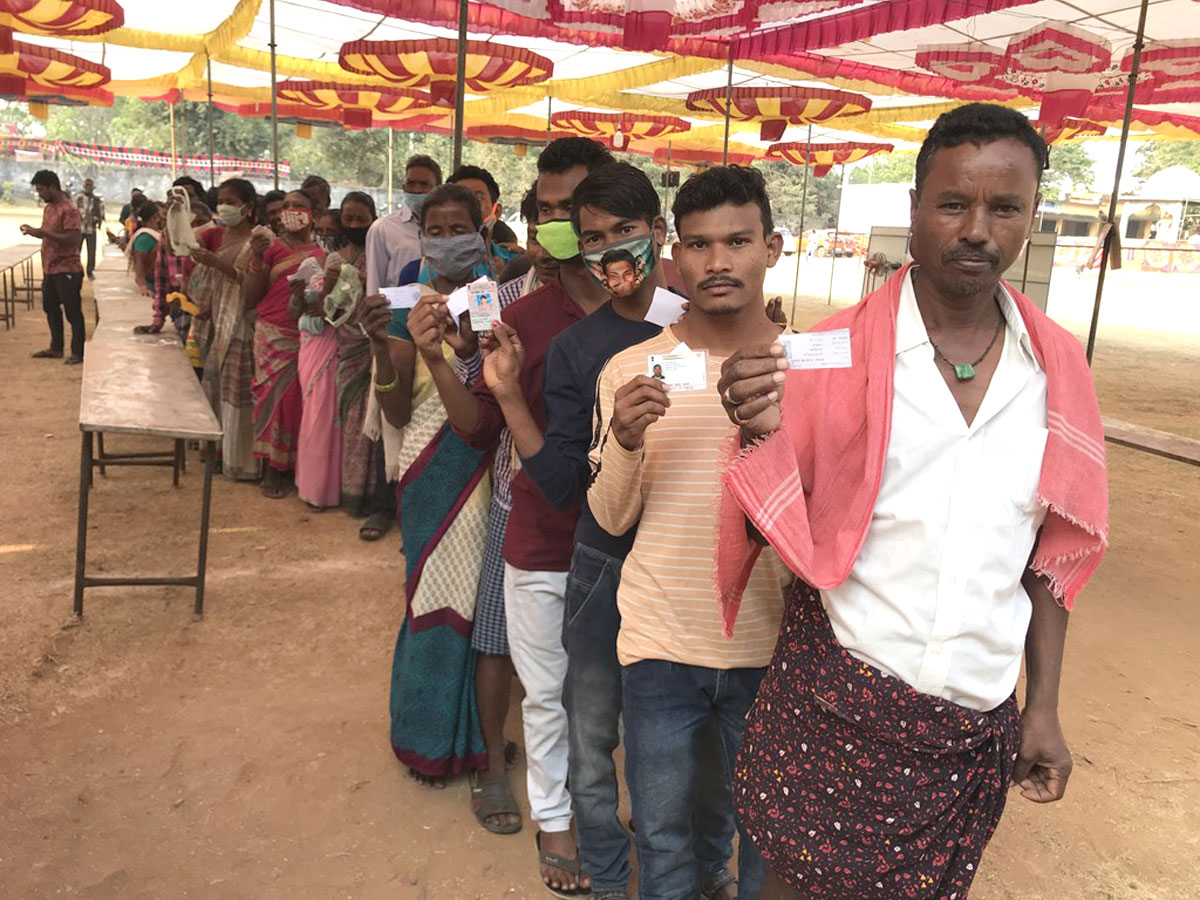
<point>356,236</point>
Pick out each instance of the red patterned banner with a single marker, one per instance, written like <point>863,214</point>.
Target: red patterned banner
<point>140,158</point>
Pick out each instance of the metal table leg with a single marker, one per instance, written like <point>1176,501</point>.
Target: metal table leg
<point>85,472</point>
<point>210,455</point>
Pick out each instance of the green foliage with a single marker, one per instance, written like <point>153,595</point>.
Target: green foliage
<point>1071,169</point>
<point>892,168</point>
<point>1153,156</point>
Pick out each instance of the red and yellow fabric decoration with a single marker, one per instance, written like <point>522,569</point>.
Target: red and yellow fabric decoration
<point>971,63</point>
<point>695,156</point>
<point>1058,47</point>
<point>778,107</point>
<point>1174,66</point>
<point>27,70</point>
<point>1069,130</point>
<point>823,157</point>
<point>354,103</point>
<point>619,128</point>
<point>62,17</point>
<point>433,64</point>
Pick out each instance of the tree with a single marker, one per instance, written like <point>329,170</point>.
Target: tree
<point>1071,167</point>
<point>893,168</point>
<point>1155,156</point>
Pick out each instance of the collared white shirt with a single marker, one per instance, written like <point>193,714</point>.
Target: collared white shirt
<point>935,598</point>
<point>392,243</point>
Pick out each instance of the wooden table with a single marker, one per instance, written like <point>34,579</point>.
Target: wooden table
<point>11,258</point>
<point>143,385</point>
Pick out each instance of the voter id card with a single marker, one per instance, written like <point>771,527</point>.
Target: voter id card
<point>683,369</point>
<point>483,299</point>
<point>817,349</point>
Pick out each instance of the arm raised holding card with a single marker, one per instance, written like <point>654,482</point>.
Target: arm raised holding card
<point>503,361</point>
<point>431,325</point>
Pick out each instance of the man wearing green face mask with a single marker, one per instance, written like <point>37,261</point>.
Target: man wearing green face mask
<point>539,539</point>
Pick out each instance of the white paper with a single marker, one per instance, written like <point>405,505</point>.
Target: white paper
<point>680,370</point>
<point>666,308</point>
<point>405,297</point>
<point>818,349</point>
<point>458,302</point>
<point>484,298</point>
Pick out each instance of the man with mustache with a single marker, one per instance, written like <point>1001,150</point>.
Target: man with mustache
<point>941,496</point>
<point>657,462</point>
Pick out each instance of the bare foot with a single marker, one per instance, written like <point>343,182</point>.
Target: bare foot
<point>437,782</point>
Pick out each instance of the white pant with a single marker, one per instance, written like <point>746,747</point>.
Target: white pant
<point>533,604</point>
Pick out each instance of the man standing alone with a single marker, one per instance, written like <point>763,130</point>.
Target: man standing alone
<point>62,273</point>
<point>91,214</point>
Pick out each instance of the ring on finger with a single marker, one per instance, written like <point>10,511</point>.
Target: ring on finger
<point>727,397</point>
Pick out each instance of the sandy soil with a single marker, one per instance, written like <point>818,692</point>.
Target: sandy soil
<point>147,755</point>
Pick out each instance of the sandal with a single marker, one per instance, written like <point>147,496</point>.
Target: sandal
<point>377,525</point>
<point>493,798</point>
<point>570,866</point>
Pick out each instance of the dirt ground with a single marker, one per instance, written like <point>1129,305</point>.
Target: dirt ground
<point>147,755</point>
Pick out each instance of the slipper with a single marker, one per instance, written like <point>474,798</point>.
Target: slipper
<point>376,526</point>
<point>570,866</point>
<point>495,798</point>
<point>45,354</point>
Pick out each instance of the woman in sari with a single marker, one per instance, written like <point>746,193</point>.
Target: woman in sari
<point>227,343</point>
<point>276,385</point>
<point>443,506</point>
<point>359,453</point>
<point>144,246</point>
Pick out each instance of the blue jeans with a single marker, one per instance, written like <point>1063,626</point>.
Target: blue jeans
<point>667,708</point>
<point>592,697</point>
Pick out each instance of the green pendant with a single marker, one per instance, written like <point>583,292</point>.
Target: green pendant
<point>965,372</point>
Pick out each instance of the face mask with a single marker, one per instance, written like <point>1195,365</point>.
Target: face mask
<point>356,236</point>
<point>414,202</point>
<point>454,257</point>
<point>230,215</point>
<point>559,239</point>
<point>296,219</point>
<point>492,214</point>
<point>624,266</point>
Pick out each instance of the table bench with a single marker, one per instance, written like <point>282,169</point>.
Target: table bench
<point>1160,443</point>
<point>138,385</point>
<point>18,256</point>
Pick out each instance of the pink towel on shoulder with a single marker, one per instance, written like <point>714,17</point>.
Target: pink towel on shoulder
<point>810,488</point>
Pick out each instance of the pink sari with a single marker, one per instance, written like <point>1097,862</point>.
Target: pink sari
<point>319,448</point>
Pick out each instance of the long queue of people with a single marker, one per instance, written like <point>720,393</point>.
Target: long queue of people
<point>793,575</point>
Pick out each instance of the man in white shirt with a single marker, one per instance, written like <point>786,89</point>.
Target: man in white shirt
<point>877,758</point>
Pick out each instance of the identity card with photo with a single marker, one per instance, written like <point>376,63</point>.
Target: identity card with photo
<point>683,369</point>
<point>483,296</point>
<point>818,349</point>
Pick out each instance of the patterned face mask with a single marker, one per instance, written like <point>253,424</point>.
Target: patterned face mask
<point>624,266</point>
<point>296,219</point>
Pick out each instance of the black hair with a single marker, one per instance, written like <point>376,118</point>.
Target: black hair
<point>306,195</point>
<point>187,181</point>
<point>979,124</point>
<point>736,185</point>
<point>273,196</point>
<point>453,193</point>
<point>476,173</point>
<point>145,212</point>
<point>46,178</point>
<point>568,152</point>
<point>529,207</point>
<point>620,254</point>
<point>361,197</point>
<point>421,161</point>
<point>620,190</point>
<point>241,188</point>
<point>201,210</point>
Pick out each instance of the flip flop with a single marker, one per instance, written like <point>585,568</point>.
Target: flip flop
<point>570,866</point>
<point>371,530</point>
<point>493,798</point>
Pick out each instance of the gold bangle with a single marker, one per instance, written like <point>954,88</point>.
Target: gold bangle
<point>390,386</point>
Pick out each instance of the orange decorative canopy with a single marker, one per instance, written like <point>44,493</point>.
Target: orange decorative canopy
<point>512,134</point>
<point>823,157</point>
<point>694,156</point>
<point>1071,129</point>
<point>354,103</point>
<point>290,113</point>
<point>433,64</point>
<point>778,107</point>
<point>621,128</point>
<point>44,67</point>
<point>63,17</point>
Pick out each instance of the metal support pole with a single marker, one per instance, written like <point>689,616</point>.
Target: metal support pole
<point>460,86</point>
<point>803,210</point>
<point>667,191</point>
<point>391,150</point>
<point>171,114</point>
<point>549,114</point>
<point>728,106</point>
<point>210,454</point>
<point>212,163</point>
<point>1138,43</point>
<point>837,225</point>
<point>85,478</point>
<point>274,103</point>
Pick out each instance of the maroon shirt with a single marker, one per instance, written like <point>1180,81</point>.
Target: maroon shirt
<point>540,538</point>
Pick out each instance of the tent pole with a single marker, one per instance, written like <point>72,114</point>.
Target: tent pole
<point>728,105</point>
<point>837,225</point>
<point>667,186</point>
<point>212,162</point>
<point>800,240</point>
<point>460,84</point>
<point>549,115</point>
<point>174,157</point>
<point>1112,201</point>
<point>391,151</point>
<point>274,103</point>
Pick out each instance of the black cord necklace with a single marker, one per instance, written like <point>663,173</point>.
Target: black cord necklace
<point>966,371</point>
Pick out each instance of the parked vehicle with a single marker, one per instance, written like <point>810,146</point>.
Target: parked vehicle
<point>831,243</point>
